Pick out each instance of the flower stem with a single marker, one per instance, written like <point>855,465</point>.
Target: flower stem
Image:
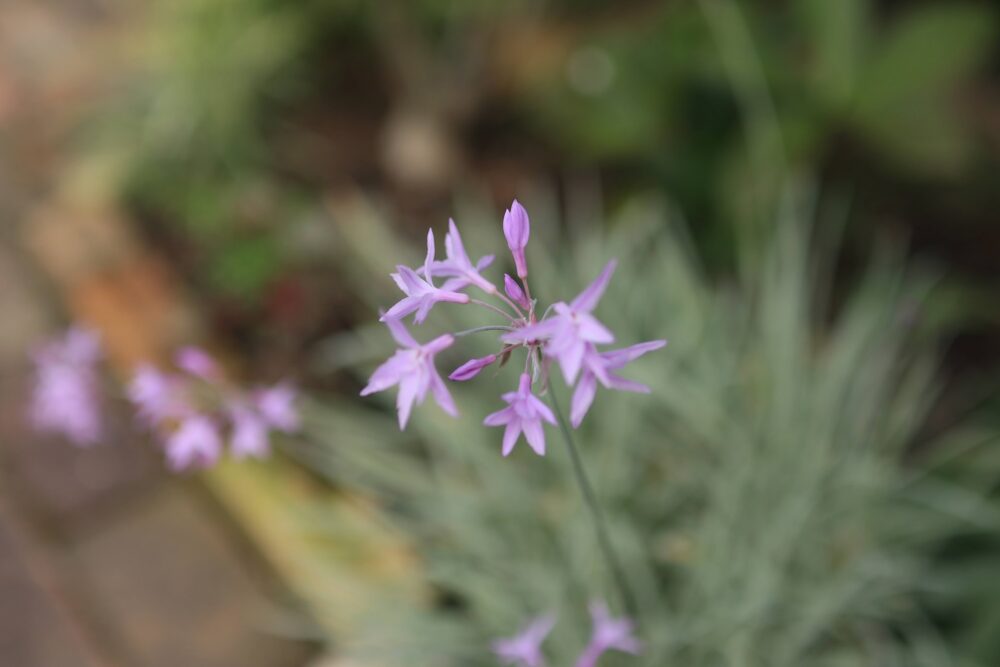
<point>596,515</point>
<point>491,327</point>
<point>510,317</point>
<point>513,305</point>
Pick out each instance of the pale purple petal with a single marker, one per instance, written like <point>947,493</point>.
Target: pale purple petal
<point>455,284</point>
<point>450,297</point>
<point>412,284</point>
<point>401,309</point>
<point>422,378</point>
<point>510,434</point>
<point>454,246</point>
<point>499,418</point>
<point>542,410</point>
<point>430,256</point>
<point>534,433</point>
<point>589,329</point>
<point>570,360</point>
<point>400,283</point>
<point>400,334</point>
<point>389,373</point>
<point>621,384</point>
<point>439,343</point>
<point>583,397</point>
<point>618,358</point>
<point>408,389</point>
<point>442,396</point>
<point>589,297</point>
<point>597,364</point>
<point>423,310</point>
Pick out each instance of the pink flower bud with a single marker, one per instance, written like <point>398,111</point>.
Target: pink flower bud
<point>471,368</point>
<point>515,292</point>
<point>517,229</point>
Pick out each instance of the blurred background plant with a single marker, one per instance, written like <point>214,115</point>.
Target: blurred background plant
<point>813,480</point>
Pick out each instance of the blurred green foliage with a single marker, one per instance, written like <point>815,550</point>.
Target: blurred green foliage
<point>714,101</point>
<point>762,496</point>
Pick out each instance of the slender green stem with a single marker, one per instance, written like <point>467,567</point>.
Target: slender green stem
<point>596,515</point>
<point>491,327</point>
<point>513,305</point>
<point>494,309</point>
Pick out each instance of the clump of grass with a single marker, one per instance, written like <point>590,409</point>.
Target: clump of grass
<point>759,496</point>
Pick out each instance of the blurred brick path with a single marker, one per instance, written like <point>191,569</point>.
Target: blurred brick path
<point>104,559</point>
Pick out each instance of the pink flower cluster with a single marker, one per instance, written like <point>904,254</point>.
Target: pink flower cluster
<point>66,394</point>
<point>566,333</point>
<point>193,411</point>
<point>608,634</point>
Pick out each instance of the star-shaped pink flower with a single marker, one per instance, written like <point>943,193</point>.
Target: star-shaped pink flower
<point>598,367</point>
<point>524,414</point>
<point>571,329</point>
<point>458,268</point>
<point>421,294</point>
<point>412,368</point>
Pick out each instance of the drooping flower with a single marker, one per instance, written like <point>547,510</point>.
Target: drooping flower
<point>421,294</point>
<point>65,398</point>
<point>471,368</point>
<point>412,368</point>
<point>525,648</point>
<point>571,329</point>
<point>598,367</point>
<point>517,229</point>
<point>608,634</point>
<point>277,406</point>
<point>524,414</point>
<point>458,267</point>
<point>515,292</point>
<point>195,443</point>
